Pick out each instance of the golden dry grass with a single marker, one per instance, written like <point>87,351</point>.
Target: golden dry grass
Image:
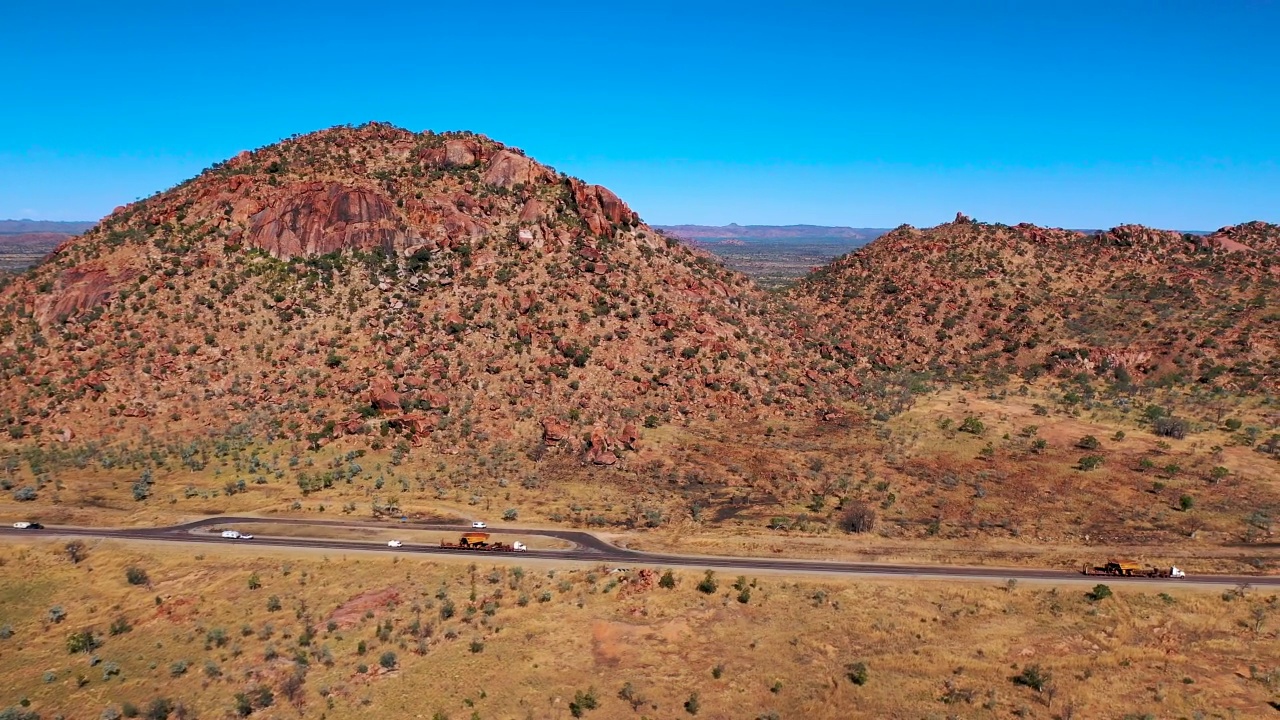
<point>931,649</point>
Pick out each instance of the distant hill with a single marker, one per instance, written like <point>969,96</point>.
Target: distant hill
<point>24,243</point>
<point>733,231</point>
<point>1126,303</point>
<point>18,227</point>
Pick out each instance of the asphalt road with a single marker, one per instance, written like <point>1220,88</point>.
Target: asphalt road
<point>586,547</point>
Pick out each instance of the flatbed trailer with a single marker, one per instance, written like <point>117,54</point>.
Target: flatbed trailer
<point>1128,568</point>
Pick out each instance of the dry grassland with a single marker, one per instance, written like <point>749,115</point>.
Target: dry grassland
<point>540,643</point>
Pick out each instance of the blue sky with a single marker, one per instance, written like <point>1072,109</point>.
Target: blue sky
<point>1080,114</point>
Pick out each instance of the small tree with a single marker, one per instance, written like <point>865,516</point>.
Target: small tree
<point>76,551</point>
<point>1186,502</point>
<point>972,425</point>
<point>1032,676</point>
<point>667,581</point>
<point>254,582</point>
<point>859,517</point>
<point>708,584</point>
<point>388,660</point>
<point>1218,473</point>
<point>1173,427</point>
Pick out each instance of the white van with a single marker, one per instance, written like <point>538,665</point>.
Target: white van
<point>234,535</point>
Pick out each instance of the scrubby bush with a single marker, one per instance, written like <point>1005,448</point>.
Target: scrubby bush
<point>136,575</point>
<point>388,660</point>
<point>1099,592</point>
<point>856,672</point>
<point>1173,427</point>
<point>582,702</point>
<point>1032,676</point>
<point>1090,462</point>
<point>82,642</point>
<point>859,518</point>
<point>159,709</point>
<point>25,494</point>
<point>667,581</point>
<point>1088,442</point>
<point>708,584</point>
<point>972,425</point>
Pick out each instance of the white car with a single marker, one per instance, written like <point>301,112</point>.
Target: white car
<point>477,525</point>
<point>394,543</point>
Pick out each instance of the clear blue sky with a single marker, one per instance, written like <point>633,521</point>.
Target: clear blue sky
<point>1080,114</point>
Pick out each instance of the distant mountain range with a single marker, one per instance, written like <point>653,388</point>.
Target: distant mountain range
<point>20,227</point>
<point>733,231</point>
<point>24,243</point>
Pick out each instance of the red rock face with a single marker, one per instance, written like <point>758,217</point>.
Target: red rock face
<point>79,290</point>
<point>508,169</point>
<point>318,218</point>
<point>599,207</point>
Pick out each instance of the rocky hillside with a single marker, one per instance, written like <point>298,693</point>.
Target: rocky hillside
<point>373,281</point>
<point>1130,303</point>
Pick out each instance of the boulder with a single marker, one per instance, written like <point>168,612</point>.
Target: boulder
<point>508,169</point>
<point>599,452</point>
<point>382,395</point>
<point>554,430</point>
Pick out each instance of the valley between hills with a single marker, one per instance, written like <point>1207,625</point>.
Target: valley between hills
<point>367,322</point>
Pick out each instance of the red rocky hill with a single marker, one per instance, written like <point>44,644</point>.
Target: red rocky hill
<point>1130,303</point>
<point>376,281</point>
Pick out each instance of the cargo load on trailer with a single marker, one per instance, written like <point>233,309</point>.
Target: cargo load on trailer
<point>480,541</point>
<point>1129,568</point>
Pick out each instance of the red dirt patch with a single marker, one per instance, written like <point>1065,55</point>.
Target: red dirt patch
<point>350,612</point>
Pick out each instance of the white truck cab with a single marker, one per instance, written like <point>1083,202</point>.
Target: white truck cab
<point>518,546</point>
<point>236,535</point>
<point>1176,572</point>
<point>22,525</point>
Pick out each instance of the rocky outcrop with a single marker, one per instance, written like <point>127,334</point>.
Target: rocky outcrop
<point>600,453</point>
<point>599,208</point>
<point>318,218</point>
<point>508,169</point>
<point>79,290</point>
